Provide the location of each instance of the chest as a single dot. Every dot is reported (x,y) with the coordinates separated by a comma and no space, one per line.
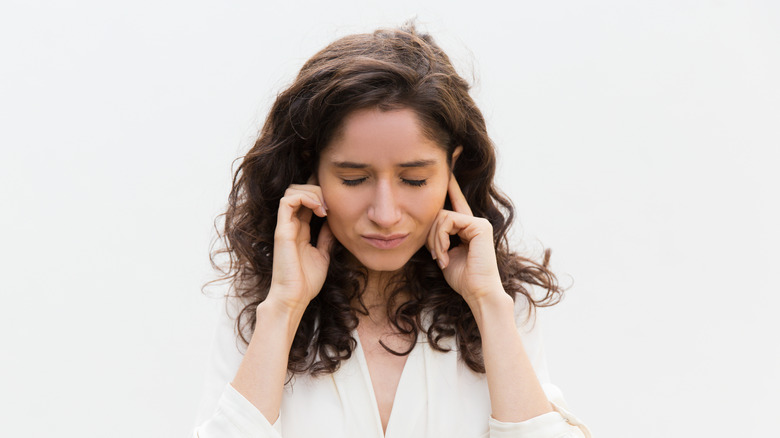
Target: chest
(431,395)
(385,370)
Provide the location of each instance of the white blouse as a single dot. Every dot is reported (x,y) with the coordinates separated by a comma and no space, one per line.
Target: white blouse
(437,396)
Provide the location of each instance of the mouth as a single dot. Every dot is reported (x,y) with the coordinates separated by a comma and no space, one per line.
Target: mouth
(384,242)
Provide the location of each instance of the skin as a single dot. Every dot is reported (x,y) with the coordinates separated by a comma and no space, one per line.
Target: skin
(382,176)
(385,202)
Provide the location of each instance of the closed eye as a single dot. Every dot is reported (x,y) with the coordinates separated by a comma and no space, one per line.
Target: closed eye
(415,182)
(353,182)
(411,182)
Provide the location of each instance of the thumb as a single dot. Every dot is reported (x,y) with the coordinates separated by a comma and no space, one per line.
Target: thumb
(325,240)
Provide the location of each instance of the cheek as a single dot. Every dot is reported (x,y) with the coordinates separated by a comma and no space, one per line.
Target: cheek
(430,205)
(344,208)
(334,194)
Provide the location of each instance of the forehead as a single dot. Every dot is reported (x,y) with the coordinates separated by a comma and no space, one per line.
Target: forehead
(376,137)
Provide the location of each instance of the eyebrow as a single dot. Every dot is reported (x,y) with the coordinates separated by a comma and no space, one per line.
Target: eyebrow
(353,165)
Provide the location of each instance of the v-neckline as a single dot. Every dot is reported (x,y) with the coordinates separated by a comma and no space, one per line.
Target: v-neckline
(404,405)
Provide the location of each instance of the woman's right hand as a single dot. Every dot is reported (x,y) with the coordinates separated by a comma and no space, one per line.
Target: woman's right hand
(299,269)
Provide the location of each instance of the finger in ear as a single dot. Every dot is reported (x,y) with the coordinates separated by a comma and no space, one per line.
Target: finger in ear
(325,239)
(455,155)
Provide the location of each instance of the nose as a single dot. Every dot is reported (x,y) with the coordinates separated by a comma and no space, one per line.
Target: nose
(384,210)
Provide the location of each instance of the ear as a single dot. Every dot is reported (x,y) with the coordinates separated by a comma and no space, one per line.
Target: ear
(455,155)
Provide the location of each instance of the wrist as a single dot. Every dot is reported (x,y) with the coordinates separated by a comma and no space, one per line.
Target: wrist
(492,306)
(285,302)
(281,312)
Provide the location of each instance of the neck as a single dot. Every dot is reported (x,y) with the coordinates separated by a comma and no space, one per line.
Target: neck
(379,286)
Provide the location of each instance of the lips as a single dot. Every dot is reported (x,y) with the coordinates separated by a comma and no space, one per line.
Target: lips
(385,242)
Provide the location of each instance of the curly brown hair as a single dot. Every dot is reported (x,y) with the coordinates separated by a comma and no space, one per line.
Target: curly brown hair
(387,69)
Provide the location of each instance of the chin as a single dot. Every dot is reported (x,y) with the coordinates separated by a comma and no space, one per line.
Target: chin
(383,262)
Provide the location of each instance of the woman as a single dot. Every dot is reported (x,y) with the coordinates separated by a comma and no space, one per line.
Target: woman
(370,263)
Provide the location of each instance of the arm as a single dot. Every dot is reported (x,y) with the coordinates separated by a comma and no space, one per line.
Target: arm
(261,375)
(515,392)
(519,405)
(299,272)
(252,400)
(249,405)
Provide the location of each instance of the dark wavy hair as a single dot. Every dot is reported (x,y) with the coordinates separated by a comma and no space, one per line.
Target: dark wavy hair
(387,69)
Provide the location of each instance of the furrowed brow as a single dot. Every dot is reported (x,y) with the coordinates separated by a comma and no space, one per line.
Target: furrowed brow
(418,163)
(349,165)
(353,165)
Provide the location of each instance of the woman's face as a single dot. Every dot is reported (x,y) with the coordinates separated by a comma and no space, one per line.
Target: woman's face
(384,181)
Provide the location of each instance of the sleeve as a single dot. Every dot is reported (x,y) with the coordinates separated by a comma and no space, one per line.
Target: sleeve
(557,424)
(223,411)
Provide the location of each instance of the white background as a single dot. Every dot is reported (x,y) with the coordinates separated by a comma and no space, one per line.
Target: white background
(638,139)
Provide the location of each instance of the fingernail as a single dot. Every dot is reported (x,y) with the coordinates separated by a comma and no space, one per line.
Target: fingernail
(433,254)
(441,263)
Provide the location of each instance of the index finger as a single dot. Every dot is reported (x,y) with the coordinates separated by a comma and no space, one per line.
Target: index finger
(457,199)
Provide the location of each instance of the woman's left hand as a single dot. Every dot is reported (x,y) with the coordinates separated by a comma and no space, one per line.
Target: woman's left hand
(470,268)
